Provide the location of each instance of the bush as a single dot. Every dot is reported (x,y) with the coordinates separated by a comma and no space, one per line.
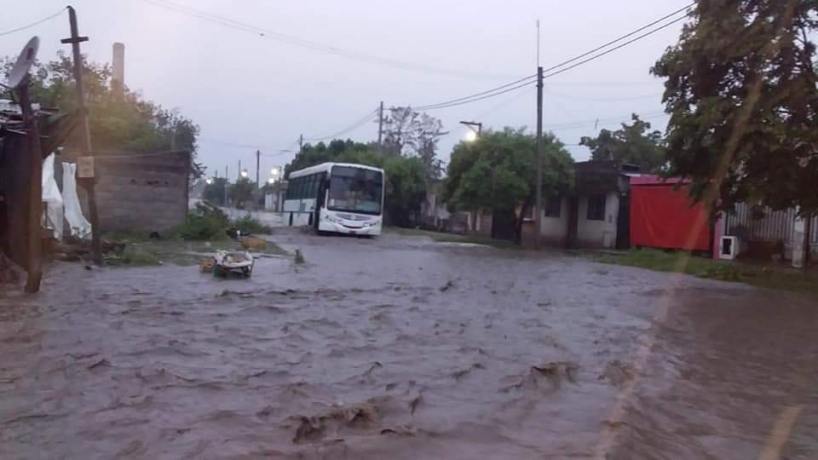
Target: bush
(248,225)
(206,222)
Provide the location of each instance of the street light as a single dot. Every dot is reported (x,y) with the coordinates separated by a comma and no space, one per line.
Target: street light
(244,173)
(473,135)
(274,172)
(209,180)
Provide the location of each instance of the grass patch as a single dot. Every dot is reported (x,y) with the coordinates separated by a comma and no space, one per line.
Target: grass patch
(177,251)
(766,276)
(453,237)
(248,225)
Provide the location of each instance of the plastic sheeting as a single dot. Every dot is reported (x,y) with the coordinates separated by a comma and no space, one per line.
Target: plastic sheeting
(52,199)
(662,217)
(78,225)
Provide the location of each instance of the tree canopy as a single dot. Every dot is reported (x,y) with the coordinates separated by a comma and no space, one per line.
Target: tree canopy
(498,172)
(741,91)
(633,143)
(126,123)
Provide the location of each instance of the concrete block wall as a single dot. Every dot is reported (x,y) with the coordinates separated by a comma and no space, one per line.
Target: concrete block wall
(142,192)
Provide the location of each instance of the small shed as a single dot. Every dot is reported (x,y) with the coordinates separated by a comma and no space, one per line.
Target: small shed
(662,215)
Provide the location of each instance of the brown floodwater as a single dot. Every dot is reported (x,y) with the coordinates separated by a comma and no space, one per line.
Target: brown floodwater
(403,348)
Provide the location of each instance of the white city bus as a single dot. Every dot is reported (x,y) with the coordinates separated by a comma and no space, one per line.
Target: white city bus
(336,197)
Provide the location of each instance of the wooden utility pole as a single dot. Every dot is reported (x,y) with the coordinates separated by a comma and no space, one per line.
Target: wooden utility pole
(538,202)
(85,132)
(35,197)
(380,128)
(300,143)
(258,165)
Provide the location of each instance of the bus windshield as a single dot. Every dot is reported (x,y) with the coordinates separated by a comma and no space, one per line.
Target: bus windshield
(355,190)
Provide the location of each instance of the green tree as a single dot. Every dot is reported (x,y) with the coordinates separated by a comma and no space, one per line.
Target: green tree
(214,191)
(124,122)
(241,192)
(741,91)
(498,172)
(407,132)
(634,143)
(405,189)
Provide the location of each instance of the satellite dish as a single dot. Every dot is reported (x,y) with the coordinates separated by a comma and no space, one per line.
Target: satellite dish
(24,62)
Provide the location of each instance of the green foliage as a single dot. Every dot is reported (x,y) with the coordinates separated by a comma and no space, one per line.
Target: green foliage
(126,123)
(248,225)
(498,172)
(405,188)
(214,192)
(634,143)
(206,222)
(241,192)
(741,90)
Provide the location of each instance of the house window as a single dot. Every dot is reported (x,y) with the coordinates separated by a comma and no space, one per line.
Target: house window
(596,207)
(553,206)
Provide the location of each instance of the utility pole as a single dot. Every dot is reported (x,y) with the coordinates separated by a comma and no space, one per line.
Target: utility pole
(300,144)
(258,165)
(85,131)
(35,210)
(380,128)
(238,173)
(538,202)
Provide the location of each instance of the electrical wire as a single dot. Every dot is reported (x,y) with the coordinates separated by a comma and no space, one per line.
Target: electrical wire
(619,39)
(529,79)
(312,45)
(609,51)
(35,23)
(561,67)
(357,124)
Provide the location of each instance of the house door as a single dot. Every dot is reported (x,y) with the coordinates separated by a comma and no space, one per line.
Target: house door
(623,222)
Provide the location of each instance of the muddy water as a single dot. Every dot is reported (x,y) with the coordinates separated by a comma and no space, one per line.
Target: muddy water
(403,348)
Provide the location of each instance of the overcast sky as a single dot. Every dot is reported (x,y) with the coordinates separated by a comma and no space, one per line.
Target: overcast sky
(244,89)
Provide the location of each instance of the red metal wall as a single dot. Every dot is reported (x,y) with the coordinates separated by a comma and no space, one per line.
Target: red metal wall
(662,217)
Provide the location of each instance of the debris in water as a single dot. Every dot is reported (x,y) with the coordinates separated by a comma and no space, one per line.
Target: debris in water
(374,366)
(299,257)
(101,362)
(449,284)
(239,263)
(553,372)
(252,243)
(459,374)
(415,402)
(206,265)
(617,373)
(310,429)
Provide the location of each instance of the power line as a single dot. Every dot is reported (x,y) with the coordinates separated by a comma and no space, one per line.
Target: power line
(618,39)
(529,78)
(312,45)
(35,23)
(366,118)
(609,51)
(469,101)
(561,66)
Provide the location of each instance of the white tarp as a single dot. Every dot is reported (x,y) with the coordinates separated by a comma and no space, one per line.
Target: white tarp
(78,226)
(52,199)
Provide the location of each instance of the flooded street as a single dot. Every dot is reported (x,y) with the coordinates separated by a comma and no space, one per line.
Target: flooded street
(400,347)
